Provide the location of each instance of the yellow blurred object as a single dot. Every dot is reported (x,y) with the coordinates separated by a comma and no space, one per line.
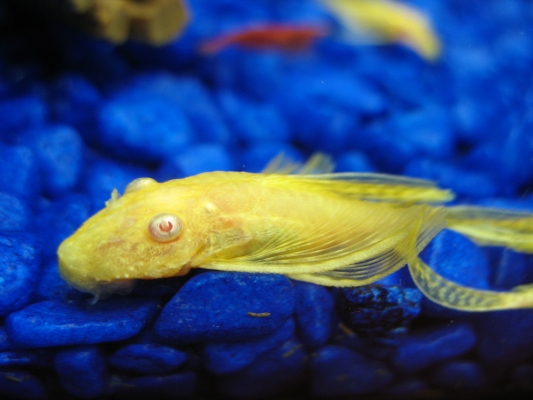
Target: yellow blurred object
(390,21)
(152,21)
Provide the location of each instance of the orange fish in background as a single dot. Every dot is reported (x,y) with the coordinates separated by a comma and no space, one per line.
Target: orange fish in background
(268,36)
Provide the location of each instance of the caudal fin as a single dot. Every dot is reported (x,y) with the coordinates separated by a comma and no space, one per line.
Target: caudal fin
(453,295)
(493,227)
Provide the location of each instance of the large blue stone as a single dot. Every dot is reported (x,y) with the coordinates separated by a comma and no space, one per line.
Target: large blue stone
(432,346)
(227,306)
(57,323)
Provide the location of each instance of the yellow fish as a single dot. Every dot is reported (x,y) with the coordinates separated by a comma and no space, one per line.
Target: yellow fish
(389,21)
(344,229)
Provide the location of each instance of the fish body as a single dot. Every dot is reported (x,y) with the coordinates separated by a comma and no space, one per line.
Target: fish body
(287,37)
(242,222)
(389,22)
(331,229)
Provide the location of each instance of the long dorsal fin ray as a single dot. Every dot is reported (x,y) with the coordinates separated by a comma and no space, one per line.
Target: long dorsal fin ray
(493,227)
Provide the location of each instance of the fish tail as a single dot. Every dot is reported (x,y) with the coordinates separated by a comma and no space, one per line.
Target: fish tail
(493,227)
(452,295)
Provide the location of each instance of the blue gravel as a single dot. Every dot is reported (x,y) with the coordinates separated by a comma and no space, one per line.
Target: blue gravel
(60,153)
(459,375)
(21,385)
(337,371)
(516,327)
(59,323)
(378,311)
(174,386)
(147,359)
(314,313)
(433,345)
(221,306)
(19,266)
(226,357)
(275,372)
(14,213)
(82,371)
(80,117)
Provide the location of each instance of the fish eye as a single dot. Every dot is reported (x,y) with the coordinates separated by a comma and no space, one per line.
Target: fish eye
(165,227)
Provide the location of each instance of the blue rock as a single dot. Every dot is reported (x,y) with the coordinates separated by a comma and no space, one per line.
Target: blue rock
(227,357)
(59,220)
(472,119)
(18,114)
(275,372)
(141,126)
(253,122)
(14,213)
(19,270)
(188,94)
(36,359)
(353,161)
(102,176)
(168,387)
(226,306)
(339,124)
(57,323)
(458,259)
(505,337)
(147,359)
(20,173)
(5,343)
(459,375)
(82,371)
(373,310)
(52,287)
(74,100)
(431,346)
(335,88)
(338,371)
(512,269)
(60,152)
(261,75)
(257,156)
(195,160)
(409,387)
(428,130)
(21,385)
(314,313)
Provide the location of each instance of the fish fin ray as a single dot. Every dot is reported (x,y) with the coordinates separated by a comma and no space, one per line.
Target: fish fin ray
(383,242)
(368,186)
(493,227)
(452,295)
(318,163)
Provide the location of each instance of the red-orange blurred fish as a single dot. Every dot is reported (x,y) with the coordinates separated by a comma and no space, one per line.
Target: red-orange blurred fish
(268,36)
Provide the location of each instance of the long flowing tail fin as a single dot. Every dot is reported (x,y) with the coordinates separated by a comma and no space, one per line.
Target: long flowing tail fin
(453,295)
(493,227)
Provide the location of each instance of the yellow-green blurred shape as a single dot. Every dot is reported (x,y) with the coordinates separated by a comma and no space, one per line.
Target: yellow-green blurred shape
(390,22)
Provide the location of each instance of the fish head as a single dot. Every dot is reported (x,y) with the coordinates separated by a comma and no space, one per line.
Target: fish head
(147,233)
